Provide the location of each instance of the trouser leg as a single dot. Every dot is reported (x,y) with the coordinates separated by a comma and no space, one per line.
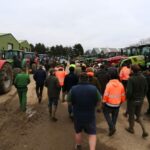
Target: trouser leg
(24,99)
(131,109)
(40,93)
(50,107)
(148,99)
(20,98)
(69,109)
(37,90)
(138,119)
(107,114)
(115,115)
(54,111)
(41,90)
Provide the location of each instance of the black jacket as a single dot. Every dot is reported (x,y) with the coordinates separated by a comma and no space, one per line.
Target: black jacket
(103,78)
(70,80)
(137,88)
(40,76)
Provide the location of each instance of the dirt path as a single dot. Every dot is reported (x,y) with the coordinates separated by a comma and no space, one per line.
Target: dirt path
(35,131)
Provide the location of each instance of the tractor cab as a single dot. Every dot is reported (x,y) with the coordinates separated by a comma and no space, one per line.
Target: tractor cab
(9,55)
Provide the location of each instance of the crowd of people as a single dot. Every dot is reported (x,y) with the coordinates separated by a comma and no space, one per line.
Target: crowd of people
(88,90)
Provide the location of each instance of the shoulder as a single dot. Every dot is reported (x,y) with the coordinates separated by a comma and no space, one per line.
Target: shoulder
(91,86)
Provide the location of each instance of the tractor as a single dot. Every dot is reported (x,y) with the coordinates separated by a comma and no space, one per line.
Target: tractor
(6,75)
(7,70)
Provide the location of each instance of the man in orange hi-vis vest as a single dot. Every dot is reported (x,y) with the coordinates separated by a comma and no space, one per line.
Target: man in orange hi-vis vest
(114,96)
(124,75)
(60,74)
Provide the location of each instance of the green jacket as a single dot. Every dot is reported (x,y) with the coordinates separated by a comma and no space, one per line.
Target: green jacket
(53,87)
(22,80)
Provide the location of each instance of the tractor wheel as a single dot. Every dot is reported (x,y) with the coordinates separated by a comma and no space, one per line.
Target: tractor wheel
(6,78)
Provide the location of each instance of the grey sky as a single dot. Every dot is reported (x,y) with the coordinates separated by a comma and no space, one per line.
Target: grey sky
(93,23)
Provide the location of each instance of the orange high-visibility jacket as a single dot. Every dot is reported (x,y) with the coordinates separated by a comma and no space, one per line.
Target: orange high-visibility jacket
(124,73)
(61,76)
(114,93)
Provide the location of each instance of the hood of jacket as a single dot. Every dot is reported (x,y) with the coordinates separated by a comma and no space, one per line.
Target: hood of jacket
(114,82)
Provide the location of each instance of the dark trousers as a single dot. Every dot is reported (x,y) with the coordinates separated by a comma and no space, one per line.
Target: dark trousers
(148,98)
(111,115)
(134,109)
(39,90)
(70,109)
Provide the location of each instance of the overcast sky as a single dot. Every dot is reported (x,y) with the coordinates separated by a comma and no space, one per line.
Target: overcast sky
(93,23)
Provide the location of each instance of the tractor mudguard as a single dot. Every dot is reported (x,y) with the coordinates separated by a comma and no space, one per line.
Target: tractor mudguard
(2,62)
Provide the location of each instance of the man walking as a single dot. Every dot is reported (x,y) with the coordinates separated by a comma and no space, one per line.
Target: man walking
(84,98)
(103,77)
(114,96)
(70,80)
(136,91)
(21,81)
(147,76)
(39,77)
(53,88)
(60,74)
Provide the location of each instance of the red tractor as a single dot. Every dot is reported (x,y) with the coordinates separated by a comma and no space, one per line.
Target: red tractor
(7,72)
(6,76)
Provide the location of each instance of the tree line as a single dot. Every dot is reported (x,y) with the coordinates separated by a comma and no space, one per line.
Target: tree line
(58,50)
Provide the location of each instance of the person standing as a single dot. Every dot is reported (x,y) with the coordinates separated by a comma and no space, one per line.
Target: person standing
(60,74)
(70,80)
(137,88)
(21,81)
(39,77)
(53,91)
(147,75)
(114,96)
(124,74)
(84,98)
(92,79)
(103,77)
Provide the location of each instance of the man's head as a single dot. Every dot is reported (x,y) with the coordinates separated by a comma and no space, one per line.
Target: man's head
(52,71)
(40,67)
(71,69)
(135,68)
(114,75)
(83,77)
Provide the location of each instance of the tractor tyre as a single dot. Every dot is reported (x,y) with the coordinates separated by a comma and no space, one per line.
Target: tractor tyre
(6,78)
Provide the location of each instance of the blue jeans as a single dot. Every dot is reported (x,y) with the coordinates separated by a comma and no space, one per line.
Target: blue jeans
(111,115)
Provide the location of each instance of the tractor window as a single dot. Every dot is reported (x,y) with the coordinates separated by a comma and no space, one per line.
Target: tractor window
(129,52)
(145,51)
(10,54)
(20,55)
(127,62)
(134,51)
